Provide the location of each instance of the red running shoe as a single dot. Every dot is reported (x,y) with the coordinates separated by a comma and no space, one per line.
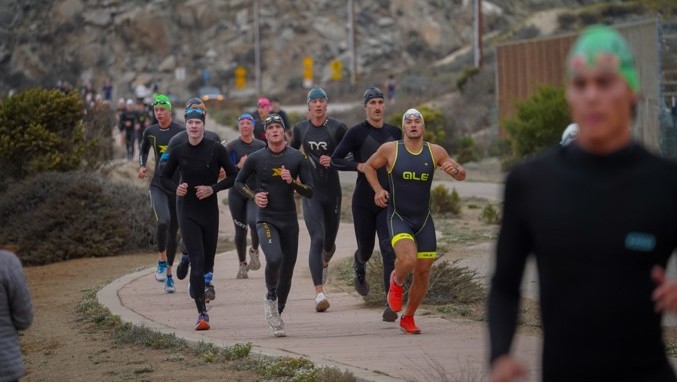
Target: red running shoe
(408,326)
(395,294)
(202,322)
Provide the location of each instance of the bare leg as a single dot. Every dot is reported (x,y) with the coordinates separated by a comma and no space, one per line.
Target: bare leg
(419,287)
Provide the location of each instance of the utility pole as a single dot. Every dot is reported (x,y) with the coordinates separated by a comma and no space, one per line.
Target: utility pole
(477,32)
(351,42)
(257,49)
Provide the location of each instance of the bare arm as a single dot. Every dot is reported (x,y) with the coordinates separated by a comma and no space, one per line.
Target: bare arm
(381,158)
(447,164)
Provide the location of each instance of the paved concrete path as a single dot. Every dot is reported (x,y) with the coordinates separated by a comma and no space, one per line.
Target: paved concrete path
(349,335)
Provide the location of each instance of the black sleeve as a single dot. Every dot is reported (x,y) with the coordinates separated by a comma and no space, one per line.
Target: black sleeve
(242,177)
(338,158)
(171,163)
(514,245)
(305,185)
(144,149)
(223,159)
(295,137)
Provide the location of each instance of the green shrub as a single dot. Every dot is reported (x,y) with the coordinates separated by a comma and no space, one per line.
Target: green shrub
(57,216)
(443,202)
(465,76)
(490,215)
(40,130)
(99,150)
(468,150)
(539,121)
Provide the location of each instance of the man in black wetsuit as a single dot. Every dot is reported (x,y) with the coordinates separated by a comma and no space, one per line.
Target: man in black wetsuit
(600,217)
(411,163)
(362,140)
(279,171)
(319,136)
(242,209)
(199,162)
(163,201)
(178,140)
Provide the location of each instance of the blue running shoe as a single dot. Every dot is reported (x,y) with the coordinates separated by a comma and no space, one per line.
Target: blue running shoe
(161,271)
(169,285)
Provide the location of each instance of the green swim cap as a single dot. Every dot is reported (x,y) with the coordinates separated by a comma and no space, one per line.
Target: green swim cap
(162,100)
(600,46)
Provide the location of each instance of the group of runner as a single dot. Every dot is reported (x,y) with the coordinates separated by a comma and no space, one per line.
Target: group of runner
(192,166)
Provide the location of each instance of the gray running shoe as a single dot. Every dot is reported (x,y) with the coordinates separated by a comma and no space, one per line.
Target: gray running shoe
(210,292)
(254,262)
(321,303)
(273,318)
(361,284)
(242,271)
(389,315)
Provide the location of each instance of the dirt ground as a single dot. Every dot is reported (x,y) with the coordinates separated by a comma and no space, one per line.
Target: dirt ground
(58,348)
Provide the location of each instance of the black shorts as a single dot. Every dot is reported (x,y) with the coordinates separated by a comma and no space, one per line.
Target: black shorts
(420,230)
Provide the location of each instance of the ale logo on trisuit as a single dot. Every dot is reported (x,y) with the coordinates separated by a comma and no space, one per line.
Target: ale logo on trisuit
(640,241)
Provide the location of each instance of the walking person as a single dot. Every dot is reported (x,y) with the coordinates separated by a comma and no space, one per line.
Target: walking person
(363,140)
(279,171)
(242,209)
(319,136)
(16,314)
(163,201)
(129,120)
(411,164)
(599,216)
(199,162)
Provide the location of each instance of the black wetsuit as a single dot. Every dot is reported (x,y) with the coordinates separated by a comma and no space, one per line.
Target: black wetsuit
(596,225)
(409,204)
(259,127)
(322,213)
(277,224)
(363,140)
(128,121)
(163,201)
(242,209)
(199,219)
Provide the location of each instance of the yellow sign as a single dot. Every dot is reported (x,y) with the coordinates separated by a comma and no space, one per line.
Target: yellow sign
(240,77)
(307,68)
(336,69)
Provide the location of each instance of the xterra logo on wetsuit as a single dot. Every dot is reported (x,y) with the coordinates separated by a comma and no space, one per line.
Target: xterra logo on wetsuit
(277,172)
(162,148)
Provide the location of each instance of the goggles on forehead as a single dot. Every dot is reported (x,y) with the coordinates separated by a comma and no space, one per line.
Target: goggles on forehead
(274,118)
(412,114)
(245,117)
(161,102)
(195,110)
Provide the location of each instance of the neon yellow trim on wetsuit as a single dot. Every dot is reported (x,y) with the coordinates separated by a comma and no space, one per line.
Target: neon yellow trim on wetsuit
(397,149)
(412,153)
(399,237)
(426,255)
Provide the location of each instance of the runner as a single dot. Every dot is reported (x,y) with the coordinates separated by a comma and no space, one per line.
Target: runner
(569,134)
(178,140)
(262,112)
(600,217)
(129,120)
(163,201)
(319,136)
(279,170)
(199,161)
(242,209)
(411,164)
(362,140)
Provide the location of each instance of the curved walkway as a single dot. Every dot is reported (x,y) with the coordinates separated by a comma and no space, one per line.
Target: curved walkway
(349,335)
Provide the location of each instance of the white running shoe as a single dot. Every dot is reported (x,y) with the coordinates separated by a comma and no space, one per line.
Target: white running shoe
(254,262)
(321,303)
(273,318)
(242,271)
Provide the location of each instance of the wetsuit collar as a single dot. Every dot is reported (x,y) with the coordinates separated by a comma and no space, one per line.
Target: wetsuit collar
(324,123)
(620,158)
(284,149)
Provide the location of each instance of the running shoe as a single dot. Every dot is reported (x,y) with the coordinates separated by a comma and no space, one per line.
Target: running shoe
(202,322)
(210,292)
(273,318)
(242,271)
(169,285)
(182,268)
(321,303)
(408,326)
(161,271)
(395,294)
(361,284)
(254,262)
(389,315)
